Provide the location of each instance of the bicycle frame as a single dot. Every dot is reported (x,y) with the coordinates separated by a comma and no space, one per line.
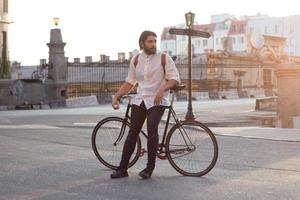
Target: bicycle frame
(127,118)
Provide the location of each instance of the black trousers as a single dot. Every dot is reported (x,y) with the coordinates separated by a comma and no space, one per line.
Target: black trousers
(138,116)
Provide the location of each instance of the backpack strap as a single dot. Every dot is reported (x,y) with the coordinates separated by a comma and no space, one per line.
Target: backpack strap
(136,60)
(163,62)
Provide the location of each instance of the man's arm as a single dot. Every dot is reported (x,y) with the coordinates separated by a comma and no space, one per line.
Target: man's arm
(169,84)
(124,89)
(172,77)
(127,86)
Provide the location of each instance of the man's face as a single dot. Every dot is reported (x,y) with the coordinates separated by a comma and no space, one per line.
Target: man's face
(150,45)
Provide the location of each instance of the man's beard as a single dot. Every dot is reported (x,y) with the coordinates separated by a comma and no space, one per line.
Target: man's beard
(150,50)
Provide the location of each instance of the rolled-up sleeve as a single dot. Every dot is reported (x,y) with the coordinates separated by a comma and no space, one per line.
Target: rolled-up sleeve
(171,70)
(131,77)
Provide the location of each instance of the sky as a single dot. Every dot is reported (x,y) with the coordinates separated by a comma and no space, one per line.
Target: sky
(94,27)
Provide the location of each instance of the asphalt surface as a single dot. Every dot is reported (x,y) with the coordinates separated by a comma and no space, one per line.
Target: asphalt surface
(46,155)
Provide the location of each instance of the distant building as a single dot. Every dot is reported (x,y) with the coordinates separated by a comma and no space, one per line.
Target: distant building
(288,27)
(234,34)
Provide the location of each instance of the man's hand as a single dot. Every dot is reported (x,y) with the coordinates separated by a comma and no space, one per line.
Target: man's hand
(125,88)
(115,103)
(159,96)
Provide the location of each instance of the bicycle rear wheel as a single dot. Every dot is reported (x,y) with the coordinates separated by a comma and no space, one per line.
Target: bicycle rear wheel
(108,140)
(191,148)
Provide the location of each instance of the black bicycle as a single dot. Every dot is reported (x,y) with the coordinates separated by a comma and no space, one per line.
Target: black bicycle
(190,146)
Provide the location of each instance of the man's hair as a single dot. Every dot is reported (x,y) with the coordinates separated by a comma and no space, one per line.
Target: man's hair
(144,36)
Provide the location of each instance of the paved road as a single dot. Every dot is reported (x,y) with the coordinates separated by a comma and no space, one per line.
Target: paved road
(58,163)
(42,158)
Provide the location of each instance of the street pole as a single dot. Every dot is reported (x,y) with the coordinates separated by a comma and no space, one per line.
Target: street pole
(189,115)
(189,31)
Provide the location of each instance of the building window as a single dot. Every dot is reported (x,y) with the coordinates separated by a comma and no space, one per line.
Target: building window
(217,41)
(291,28)
(198,43)
(291,41)
(267,77)
(266,29)
(276,29)
(204,43)
(234,28)
(222,40)
(251,29)
(166,46)
(242,29)
(233,40)
(5,6)
(241,40)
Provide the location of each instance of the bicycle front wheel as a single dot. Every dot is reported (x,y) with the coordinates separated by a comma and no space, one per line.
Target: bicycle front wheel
(108,140)
(191,148)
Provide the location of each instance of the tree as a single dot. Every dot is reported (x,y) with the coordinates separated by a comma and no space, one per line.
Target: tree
(5,69)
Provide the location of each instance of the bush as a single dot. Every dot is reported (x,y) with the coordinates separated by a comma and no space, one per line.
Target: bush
(5,69)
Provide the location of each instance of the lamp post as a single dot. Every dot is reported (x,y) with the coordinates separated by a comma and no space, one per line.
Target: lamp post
(189,18)
(189,31)
(56,21)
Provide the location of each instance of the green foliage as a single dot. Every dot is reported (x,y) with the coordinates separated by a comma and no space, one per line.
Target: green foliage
(5,69)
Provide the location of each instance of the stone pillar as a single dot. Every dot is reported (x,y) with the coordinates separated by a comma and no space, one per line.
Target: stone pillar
(57,74)
(288,83)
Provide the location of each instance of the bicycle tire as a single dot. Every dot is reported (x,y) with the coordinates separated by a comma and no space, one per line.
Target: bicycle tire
(197,127)
(99,130)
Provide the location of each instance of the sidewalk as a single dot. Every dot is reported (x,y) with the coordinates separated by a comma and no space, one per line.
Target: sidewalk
(276,134)
(243,124)
(236,119)
(219,118)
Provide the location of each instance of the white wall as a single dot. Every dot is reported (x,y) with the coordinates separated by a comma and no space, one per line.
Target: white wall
(288,27)
(200,44)
(169,46)
(239,44)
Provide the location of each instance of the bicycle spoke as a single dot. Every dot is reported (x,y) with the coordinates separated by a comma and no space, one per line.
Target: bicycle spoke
(108,140)
(192,149)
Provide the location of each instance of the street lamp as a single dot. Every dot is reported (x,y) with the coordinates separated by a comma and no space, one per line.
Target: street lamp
(56,21)
(189,31)
(189,18)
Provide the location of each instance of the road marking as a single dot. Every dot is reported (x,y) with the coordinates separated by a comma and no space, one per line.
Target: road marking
(28,126)
(84,124)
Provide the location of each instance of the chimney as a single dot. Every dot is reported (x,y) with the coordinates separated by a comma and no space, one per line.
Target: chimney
(106,58)
(130,55)
(43,61)
(88,59)
(121,57)
(76,60)
(102,58)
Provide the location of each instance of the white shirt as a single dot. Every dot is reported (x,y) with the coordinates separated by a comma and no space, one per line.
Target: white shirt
(149,75)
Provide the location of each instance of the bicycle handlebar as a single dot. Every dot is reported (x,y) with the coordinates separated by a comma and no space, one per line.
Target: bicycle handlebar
(174,89)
